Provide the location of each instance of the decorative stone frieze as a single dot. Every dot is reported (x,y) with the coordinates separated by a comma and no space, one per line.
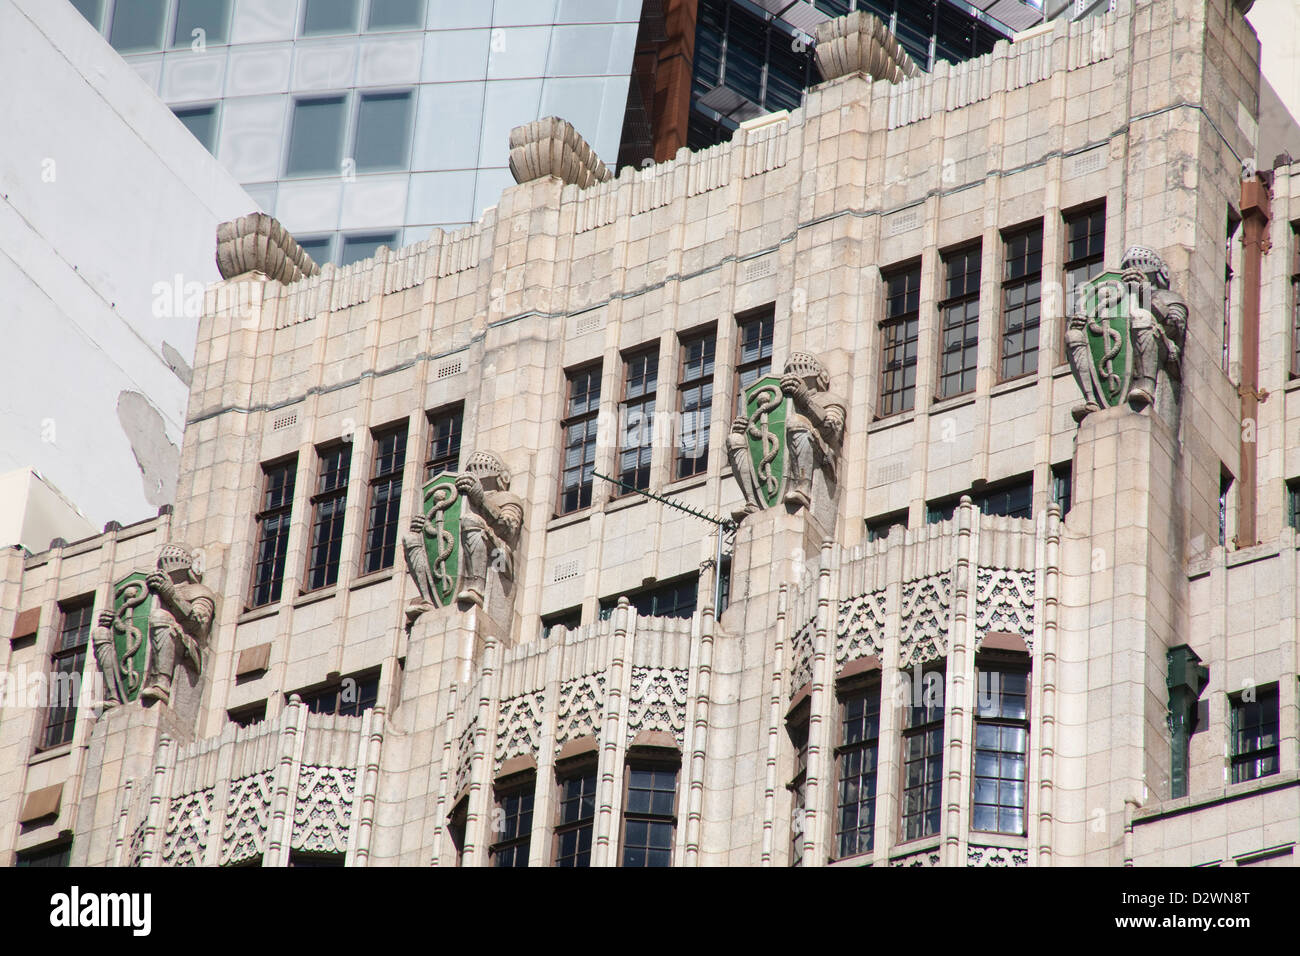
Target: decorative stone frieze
(801,656)
(188,822)
(859,627)
(658,702)
(519,726)
(996,856)
(925,613)
(1004,601)
(924,858)
(248,811)
(582,702)
(323,812)
(552,147)
(258,243)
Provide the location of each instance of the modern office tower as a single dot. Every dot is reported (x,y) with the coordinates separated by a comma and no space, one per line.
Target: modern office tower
(362,123)
(968,534)
(106,219)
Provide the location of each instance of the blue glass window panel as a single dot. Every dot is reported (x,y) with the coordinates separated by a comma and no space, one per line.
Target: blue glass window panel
(384,132)
(138,25)
(316,142)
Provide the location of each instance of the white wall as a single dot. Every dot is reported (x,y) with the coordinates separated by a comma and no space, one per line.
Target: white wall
(103,194)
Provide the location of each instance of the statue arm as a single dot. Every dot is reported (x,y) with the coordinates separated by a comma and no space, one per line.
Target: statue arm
(506,521)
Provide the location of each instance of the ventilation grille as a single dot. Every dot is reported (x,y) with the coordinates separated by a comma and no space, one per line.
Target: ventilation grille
(566,570)
(903,222)
(1089,162)
(285,421)
(450,369)
(758,269)
(589,322)
(889,472)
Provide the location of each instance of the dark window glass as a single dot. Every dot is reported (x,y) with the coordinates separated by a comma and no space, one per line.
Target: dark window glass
(1255,735)
(395,14)
(1001,746)
(563,620)
(923,756)
(914,26)
(857,757)
(210,16)
(1021,302)
(385,498)
(138,25)
(676,598)
(898,348)
(248,715)
(316,860)
(92,10)
(1085,248)
(1234,221)
(695,403)
(1011,501)
(356,248)
(960,310)
(754,353)
(797,728)
(579,430)
(445,429)
(319,249)
(58,854)
(513,824)
(349,697)
(328,505)
(1295,300)
(1293,503)
(577,815)
(1063,486)
(883,527)
(1225,490)
(201,121)
(66,665)
(636,417)
(383,132)
(316,139)
(330,16)
(273,532)
(649,817)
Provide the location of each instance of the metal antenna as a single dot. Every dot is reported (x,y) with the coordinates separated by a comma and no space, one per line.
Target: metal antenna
(724,525)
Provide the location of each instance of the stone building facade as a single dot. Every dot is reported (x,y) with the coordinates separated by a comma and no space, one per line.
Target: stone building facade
(998,634)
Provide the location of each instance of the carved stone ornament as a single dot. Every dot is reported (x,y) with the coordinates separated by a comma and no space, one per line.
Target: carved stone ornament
(582,703)
(186,835)
(322,815)
(519,726)
(786,446)
(1004,601)
(461,544)
(657,701)
(258,243)
(159,621)
(996,856)
(248,812)
(860,627)
(1125,335)
(552,147)
(861,43)
(924,625)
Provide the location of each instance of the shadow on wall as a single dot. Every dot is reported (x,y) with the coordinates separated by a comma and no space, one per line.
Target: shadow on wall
(159,460)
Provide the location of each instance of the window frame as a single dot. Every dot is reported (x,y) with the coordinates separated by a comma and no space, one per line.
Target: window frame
(704,382)
(579,768)
(907,732)
(1002,663)
(1025,281)
(656,760)
(394,481)
(648,356)
(516,785)
(364,702)
(1295,300)
(587,418)
(948,259)
(798,724)
(1238,759)
(653,593)
(449,462)
(865,687)
(174,23)
(337,497)
(909,320)
(1093,262)
(57,715)
(760,366)
(344,101)
(284,512)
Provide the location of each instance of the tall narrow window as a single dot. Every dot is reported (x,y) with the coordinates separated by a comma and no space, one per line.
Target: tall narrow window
(579,428)
(857,758)
(695,403)
(1063,486)
(650,814)
(1254,734)
(1225,493)
(797,728)
(923,756)
(577,816)
(1295,300)
(898,341)
(960,310)
(636,417)
(1021,293)
(512,823)
(1293,503)
(328,505)
(273,531)
(66,665)
(445,429)
(753,351)
(1001,745)
(1085,250)
(1234,221)
(385,497)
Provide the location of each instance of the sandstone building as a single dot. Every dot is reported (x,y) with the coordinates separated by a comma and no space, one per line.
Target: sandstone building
(965,618)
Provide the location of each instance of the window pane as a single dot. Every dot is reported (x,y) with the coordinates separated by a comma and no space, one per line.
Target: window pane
(330,16)
(316,143)
(210,16)
(356,248)
(201,121)
(383,132)
(138,25)
(92,10)
(395,14)
(318,249)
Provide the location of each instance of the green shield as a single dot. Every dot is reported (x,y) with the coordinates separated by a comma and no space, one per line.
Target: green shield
(132,603)
(1106,301)
(440,503)
(766,408)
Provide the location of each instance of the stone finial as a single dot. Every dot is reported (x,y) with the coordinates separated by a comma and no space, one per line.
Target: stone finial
(258,243)
(552,147)
(861,43)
